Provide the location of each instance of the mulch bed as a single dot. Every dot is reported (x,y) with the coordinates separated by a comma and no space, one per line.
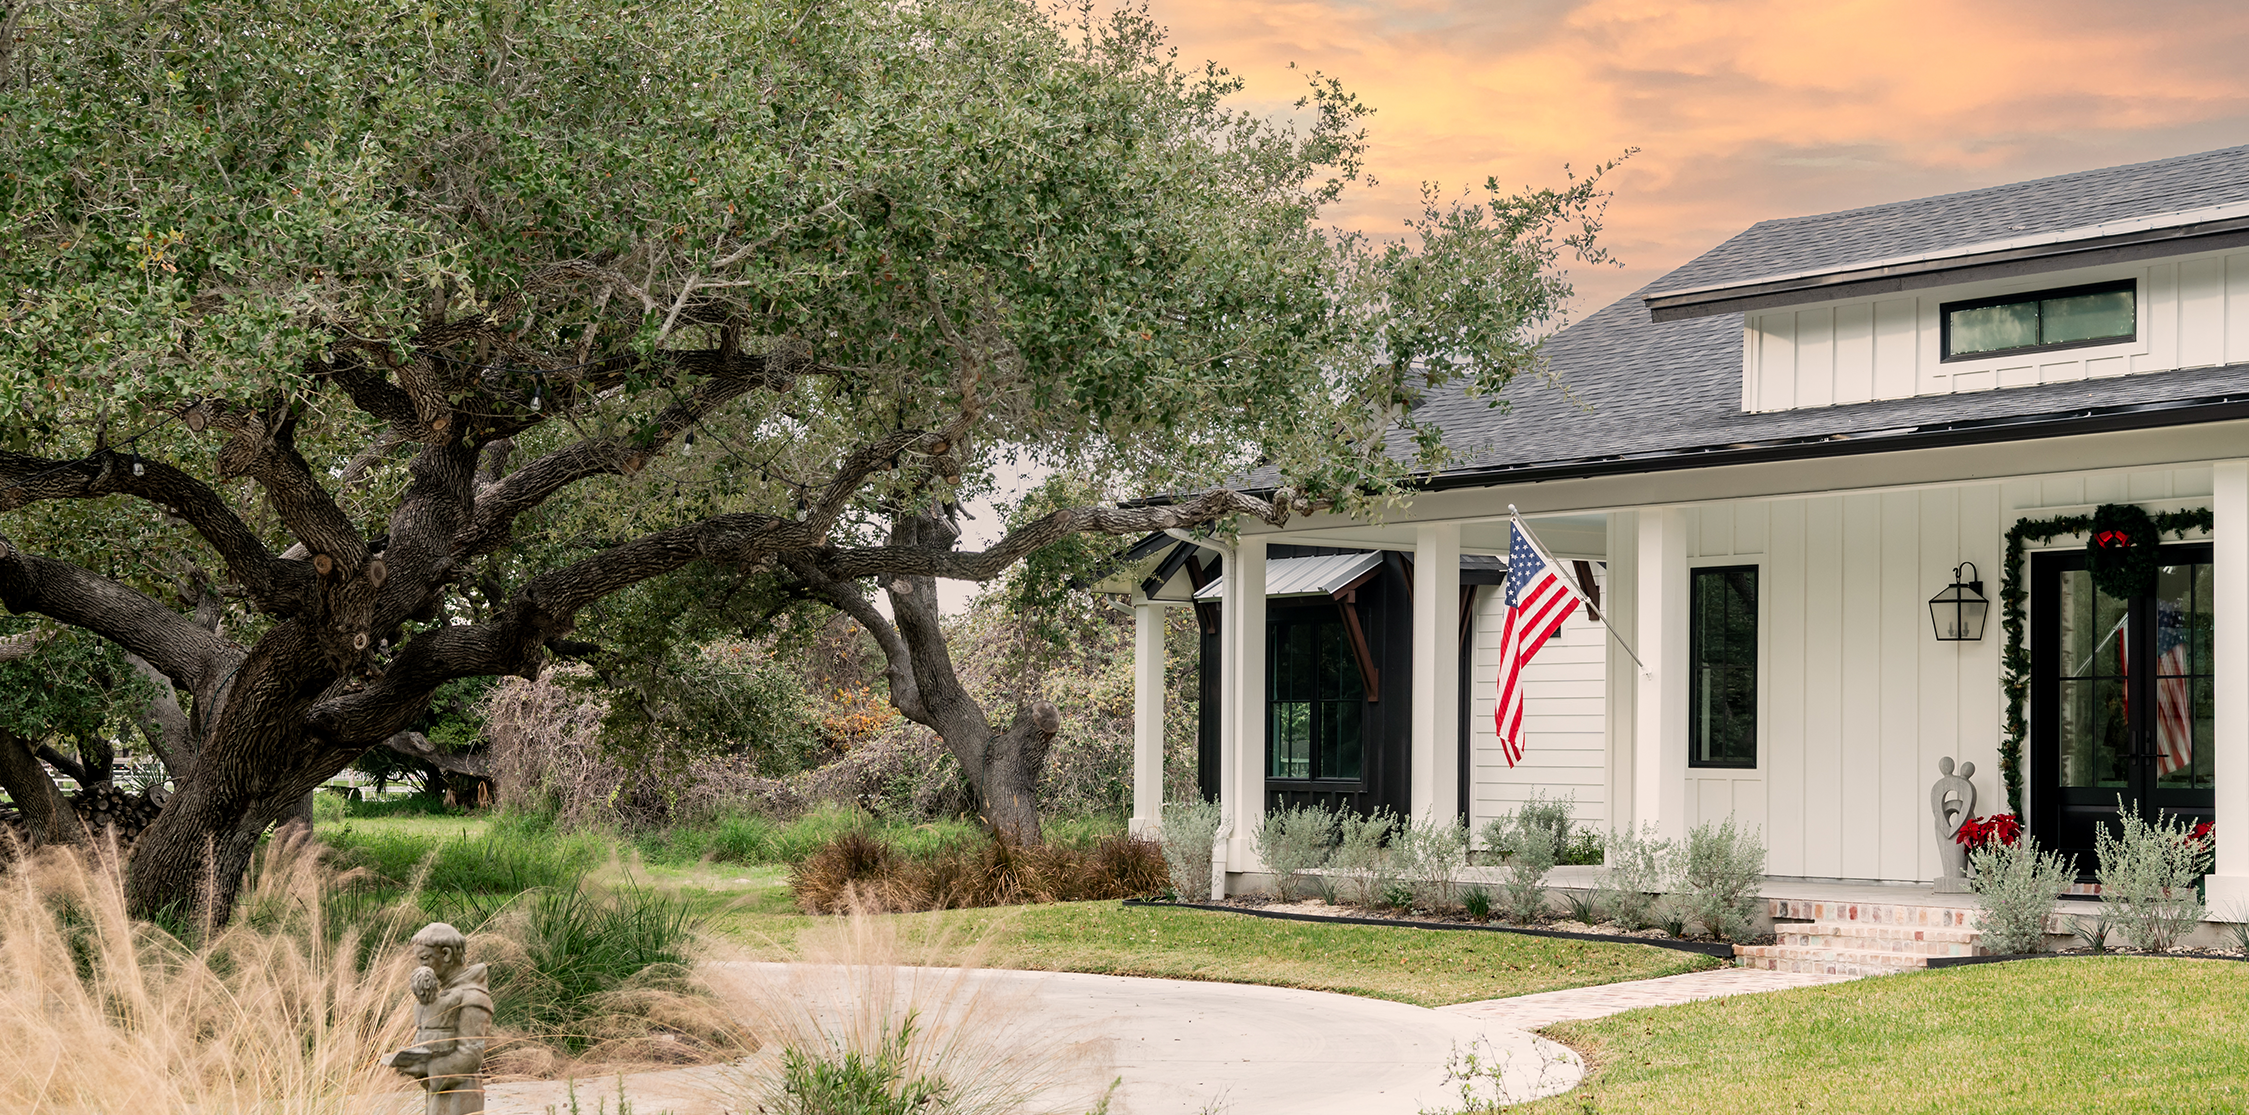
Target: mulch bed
(1720,949)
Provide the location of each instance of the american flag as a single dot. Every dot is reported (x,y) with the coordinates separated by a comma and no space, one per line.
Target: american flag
(1538,600)
(2174,701)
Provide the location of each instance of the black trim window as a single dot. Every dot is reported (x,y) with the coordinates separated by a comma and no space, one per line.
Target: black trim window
(1314,698)
(1722,667)
(2042,320)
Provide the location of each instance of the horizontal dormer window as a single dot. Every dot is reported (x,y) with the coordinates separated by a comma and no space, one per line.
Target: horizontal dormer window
(2041,320)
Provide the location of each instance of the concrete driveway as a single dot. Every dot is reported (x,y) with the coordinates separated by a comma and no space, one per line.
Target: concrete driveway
(1179,1046)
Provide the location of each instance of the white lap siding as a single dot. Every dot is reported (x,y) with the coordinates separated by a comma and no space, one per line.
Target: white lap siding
(1564,721)
(1857,699)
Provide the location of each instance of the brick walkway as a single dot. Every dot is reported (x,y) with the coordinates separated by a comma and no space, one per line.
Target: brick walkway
(1529,1012)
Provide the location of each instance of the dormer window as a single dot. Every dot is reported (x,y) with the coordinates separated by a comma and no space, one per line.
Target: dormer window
(2041,320)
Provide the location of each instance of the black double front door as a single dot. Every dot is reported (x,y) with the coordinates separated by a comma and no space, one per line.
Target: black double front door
(2121,699)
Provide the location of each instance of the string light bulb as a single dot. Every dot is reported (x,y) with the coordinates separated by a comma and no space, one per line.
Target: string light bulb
(688,445)
(139,469)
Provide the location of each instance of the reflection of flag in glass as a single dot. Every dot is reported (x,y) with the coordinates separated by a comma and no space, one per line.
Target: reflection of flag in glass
(2174,701)
(1538,600)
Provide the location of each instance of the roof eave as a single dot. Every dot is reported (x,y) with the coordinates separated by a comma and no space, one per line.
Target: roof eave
(1969,266)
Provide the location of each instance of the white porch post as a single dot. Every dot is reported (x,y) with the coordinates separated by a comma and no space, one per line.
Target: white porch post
(2227,888)
(1147,715)
(1241,770)
(1659,760)
(1436,671)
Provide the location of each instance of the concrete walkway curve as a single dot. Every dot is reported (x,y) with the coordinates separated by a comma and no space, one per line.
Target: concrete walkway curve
(1184,1047)
(1188,1047)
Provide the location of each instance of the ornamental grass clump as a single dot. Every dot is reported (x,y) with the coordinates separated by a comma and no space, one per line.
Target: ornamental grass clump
(1190,829)
(1295,841)
(2019,885)
(1532,840)
(1363,864)
(2148,872)
(1721,872)
(861,871)
(1641,868)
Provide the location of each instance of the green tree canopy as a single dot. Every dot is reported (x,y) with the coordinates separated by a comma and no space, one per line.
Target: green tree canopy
(424,327)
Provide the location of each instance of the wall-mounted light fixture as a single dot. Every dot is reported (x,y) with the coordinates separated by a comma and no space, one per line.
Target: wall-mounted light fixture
(1958,613)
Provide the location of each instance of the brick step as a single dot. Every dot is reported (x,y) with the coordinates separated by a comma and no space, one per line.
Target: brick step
(1872,913)
(1817,938)
(1827,961)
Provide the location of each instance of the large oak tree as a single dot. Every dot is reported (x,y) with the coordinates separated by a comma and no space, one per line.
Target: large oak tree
(412,331)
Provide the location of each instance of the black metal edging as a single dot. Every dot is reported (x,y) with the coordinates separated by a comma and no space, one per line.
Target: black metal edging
(1718,949)
(1962,961)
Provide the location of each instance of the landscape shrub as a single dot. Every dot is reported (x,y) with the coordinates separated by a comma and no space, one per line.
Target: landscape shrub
(1189,830)
(859,871)
(1641,868)
(1722,869)
(2019,885)
(1431,853)
(1293,841)
(1531,838)
(2148,872)
(1587,848)
(1362,863)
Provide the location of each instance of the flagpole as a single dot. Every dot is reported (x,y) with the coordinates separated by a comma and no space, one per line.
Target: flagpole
(1515,518)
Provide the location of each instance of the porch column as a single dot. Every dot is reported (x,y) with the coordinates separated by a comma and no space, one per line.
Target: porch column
(1241,749)
(2228,885)
(1659,737)
(1435,772)
(1147,715)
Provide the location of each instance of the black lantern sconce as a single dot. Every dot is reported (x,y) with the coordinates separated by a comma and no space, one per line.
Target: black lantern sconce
(1958,613)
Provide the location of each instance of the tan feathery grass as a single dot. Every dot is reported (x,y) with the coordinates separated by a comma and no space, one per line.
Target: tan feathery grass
(274,1014)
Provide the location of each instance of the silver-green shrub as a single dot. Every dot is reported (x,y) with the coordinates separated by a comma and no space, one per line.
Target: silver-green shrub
(2148,872)
(2019,885)
(1642,867)
(1188,830)
(1531,841)
(1362,863)
(1722,870)
(1293,841)
(1431,854)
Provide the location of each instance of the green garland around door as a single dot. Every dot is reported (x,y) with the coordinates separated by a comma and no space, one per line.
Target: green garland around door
(2120,554)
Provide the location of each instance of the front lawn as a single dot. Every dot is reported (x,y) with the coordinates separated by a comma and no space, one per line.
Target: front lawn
(2116,1034)
(1420,966)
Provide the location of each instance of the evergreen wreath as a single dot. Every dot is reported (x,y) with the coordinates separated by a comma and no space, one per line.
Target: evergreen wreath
(2014,673)
(2120,550)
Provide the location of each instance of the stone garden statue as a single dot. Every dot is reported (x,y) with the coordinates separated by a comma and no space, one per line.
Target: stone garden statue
(452,1018)
(1953,800)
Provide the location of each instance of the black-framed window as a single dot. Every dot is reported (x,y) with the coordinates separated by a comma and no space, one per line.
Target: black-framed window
(1315,700)
(2041,320)
(1722,667)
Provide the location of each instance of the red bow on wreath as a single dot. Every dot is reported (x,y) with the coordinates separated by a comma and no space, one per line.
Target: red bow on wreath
(2113,539)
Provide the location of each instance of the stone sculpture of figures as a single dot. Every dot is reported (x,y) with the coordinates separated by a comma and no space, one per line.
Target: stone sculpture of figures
(1953,800)
(452,1018)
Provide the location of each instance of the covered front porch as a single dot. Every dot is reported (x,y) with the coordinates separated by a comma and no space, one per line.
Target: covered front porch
(1855,699)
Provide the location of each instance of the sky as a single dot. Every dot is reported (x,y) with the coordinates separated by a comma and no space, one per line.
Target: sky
(1740,111)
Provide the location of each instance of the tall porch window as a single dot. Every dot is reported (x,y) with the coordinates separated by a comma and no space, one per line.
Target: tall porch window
(1722,678)
(1314,698)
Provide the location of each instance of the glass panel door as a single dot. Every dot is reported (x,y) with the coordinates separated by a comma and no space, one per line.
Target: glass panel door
(2121,699)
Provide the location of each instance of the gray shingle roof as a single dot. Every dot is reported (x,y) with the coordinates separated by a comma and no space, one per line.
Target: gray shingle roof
(1636,388)
(2068,201)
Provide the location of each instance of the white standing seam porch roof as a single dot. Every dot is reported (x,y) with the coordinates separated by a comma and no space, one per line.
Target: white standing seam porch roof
(1306,576)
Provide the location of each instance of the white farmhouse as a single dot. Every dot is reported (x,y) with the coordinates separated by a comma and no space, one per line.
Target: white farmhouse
(1769,463)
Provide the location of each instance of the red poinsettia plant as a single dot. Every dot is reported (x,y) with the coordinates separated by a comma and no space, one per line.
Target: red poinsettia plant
(2202,832)
(1999,828)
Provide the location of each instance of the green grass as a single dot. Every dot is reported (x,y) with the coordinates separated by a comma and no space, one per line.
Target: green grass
(2119,1034)
(1421,966)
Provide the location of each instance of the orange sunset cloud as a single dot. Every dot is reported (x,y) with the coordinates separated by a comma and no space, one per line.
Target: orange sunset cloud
(1744,110)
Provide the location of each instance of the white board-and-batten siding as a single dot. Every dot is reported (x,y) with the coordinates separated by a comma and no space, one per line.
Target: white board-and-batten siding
(1564,717)
(1857,699)
(2193,312)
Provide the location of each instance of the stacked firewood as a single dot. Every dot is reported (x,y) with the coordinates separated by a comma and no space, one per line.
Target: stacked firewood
(101,807)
